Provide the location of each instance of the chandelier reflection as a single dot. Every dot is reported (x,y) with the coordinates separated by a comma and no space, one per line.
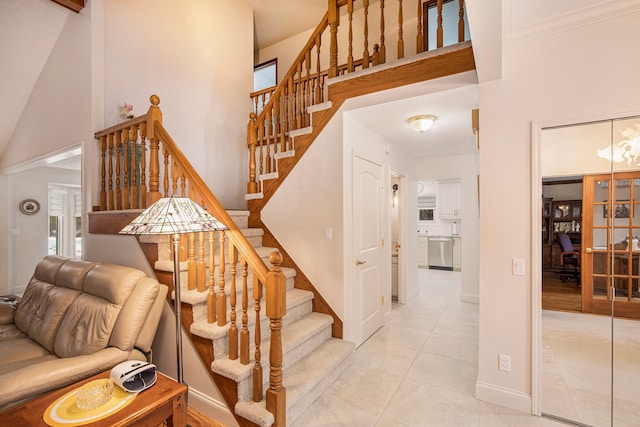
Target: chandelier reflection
(626,150)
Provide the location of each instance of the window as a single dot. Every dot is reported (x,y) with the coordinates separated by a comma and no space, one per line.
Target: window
(65,221)
(265,75)
(450,18)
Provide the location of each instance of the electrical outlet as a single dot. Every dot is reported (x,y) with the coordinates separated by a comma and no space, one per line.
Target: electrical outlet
(504,363)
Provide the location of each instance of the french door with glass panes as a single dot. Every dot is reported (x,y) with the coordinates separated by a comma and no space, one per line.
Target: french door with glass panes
(611,230)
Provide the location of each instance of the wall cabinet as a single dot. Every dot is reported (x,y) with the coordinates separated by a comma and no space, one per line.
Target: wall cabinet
(566,217)
(449,199)
(423,251)
(457,254)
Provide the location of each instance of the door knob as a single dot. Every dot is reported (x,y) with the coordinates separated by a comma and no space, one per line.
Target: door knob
(588,250)
(358,262)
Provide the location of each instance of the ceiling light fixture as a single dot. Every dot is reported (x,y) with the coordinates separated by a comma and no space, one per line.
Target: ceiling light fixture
(422,123)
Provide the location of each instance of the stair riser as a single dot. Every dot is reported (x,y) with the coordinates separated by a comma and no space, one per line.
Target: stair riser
(221,345)
(245,387)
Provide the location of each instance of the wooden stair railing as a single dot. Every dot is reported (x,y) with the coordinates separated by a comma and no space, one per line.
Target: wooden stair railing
(285,108)
(125,171)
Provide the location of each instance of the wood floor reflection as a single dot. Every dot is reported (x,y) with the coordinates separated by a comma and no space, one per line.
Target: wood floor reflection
(559,295)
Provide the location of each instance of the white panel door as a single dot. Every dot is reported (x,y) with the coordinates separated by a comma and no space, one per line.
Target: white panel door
(367,247)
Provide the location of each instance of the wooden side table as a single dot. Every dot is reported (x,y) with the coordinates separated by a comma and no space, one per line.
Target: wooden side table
(165,401)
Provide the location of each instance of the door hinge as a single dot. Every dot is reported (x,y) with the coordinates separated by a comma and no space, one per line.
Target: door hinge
(382,243)
(381,184)
(382,300)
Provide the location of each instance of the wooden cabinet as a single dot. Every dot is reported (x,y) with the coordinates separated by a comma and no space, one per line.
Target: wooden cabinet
(566,217)
(457,253)
(423,251)
(449,199)
(546,220)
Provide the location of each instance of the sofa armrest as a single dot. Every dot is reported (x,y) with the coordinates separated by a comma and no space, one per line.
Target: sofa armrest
(6,313)
(42,377)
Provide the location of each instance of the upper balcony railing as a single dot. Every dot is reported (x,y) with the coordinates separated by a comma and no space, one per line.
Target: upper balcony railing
(352,36)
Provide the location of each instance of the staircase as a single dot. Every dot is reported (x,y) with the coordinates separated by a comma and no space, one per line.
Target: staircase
(312,359)
(247,306)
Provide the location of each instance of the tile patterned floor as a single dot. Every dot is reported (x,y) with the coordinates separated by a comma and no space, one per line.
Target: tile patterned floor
(418,370)
(576,366)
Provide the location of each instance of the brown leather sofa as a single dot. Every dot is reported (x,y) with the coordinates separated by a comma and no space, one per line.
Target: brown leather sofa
(75,319)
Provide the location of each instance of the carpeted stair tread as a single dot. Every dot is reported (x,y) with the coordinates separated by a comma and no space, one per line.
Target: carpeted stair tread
(305,381)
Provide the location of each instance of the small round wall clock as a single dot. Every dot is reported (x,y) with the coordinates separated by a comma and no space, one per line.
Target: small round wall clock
(29,206)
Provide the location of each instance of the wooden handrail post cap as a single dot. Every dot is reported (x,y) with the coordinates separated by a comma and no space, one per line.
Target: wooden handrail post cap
(276,288)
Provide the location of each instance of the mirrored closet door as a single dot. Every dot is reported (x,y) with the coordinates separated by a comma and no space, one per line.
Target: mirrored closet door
(590,299)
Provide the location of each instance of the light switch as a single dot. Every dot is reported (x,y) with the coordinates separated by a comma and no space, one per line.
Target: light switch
(328,233)
(517,267)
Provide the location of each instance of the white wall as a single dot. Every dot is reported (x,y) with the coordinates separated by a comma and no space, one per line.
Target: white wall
(570,75)
(315,186)
(29,245)
(466,169)
(183,53)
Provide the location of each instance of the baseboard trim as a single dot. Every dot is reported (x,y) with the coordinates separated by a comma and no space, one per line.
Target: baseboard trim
(475,299)
(503,396)
(210,407)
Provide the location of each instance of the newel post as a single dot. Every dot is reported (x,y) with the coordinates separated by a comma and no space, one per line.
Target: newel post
(153,115)
(276,309)
(334,21)
(252,185)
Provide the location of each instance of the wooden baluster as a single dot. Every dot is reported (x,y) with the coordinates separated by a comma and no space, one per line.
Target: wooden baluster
(419,36)
(350,67)
(166,172)
(201,265)
(439,33)
(118,146)
(307,90)
(154,115)
(276,308)
(290,103)
(334,21)
(135,193)
(365,54)
(383,49)
(375,57)
(400,32)
(174,178)
(252,185)
(244,333)
(110,176)
(319,94)
(282,118)
(103,173)
(257,368)
(460,21)
(299,97)
(277,139)
(143,164)
(191,264)
(126,168)
(260,152)
(233,329)
(211,297)
(268,159)
(222,297)
(183,184)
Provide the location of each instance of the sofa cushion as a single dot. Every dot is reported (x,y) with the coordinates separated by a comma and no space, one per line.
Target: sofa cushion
(41,311)
(86,327)
(72,273)
(21,349)
(48,267)
(10,332)
(133,314)
(112,282)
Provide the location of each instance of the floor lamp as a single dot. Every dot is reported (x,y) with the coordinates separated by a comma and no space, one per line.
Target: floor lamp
(174,215)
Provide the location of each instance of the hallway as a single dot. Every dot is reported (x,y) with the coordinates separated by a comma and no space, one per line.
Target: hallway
(418,370)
